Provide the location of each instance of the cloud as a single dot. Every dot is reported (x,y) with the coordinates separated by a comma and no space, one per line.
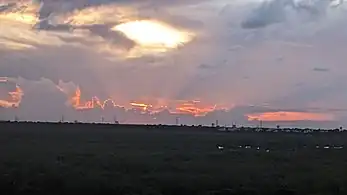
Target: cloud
(321,69)
(278,11)
(75,47)
(290,116)
(269,12)
(94,23)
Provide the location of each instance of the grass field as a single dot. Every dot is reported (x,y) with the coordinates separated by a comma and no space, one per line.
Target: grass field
(114,159)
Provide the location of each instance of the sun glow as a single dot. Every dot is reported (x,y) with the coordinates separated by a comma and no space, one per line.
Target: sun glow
(23,13)
(153,36)
(21,29)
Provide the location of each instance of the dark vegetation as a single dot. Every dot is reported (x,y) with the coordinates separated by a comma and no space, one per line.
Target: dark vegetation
(38,158)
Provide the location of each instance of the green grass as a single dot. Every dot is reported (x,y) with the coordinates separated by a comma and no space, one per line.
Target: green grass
(106,159)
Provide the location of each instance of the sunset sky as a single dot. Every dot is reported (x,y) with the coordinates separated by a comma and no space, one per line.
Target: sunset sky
(150,61)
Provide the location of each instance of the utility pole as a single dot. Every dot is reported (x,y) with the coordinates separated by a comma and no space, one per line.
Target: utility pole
(115,120)
(261,124)
(62,119)
(177,121)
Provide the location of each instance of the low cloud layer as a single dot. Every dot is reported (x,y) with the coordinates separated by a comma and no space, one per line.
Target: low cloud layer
(243,61)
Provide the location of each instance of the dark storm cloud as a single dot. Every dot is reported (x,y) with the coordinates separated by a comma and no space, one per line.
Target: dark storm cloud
(269,12)
(276,11)
(103,30)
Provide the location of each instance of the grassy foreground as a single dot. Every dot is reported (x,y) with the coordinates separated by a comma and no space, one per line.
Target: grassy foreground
(107,159)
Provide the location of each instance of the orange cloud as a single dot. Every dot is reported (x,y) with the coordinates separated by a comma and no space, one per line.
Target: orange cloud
(290,116)
(191,107)
(15,98)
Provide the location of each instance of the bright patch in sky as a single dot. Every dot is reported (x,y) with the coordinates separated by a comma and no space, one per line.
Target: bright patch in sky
(26,13)
(153,35)
(290,116)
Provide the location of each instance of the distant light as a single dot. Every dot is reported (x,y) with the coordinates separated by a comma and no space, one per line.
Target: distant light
(220,147)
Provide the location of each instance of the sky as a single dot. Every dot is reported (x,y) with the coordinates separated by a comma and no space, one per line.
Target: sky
(162,61)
